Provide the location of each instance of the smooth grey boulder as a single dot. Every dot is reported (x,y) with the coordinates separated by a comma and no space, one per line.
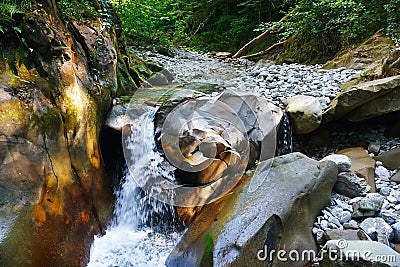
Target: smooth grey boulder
(358,253)
(276,209)
(305,113)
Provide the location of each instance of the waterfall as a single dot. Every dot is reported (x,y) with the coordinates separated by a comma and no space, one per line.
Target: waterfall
(137,236)
(285,140)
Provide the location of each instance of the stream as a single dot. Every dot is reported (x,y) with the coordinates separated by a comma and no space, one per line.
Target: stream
(128,241)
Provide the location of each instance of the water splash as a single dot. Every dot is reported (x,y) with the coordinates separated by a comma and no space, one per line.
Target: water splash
(137,235)
(285,139)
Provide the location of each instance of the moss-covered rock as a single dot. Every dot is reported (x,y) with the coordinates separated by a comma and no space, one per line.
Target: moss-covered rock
(56,87)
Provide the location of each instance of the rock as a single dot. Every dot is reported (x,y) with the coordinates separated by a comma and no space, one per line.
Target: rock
(354,253)
(382,173)
(324,224)
(396,177)
(385,191)
(54,192)
(372,226)
(352,101)
(165,51)
(349,184)
(364,54)
(235,228)
(382,238)
(319,235)
(218,134)
(343,161)
(305,113)
(352,224)
(374,147)
(342,215)
(381,105)
(362,164)
(368,206)
(389,217)
(390,159)
(396,229)
(223,54)
(344,234)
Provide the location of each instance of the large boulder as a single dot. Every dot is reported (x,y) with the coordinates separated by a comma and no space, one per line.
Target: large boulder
(277,213)
(374,49)
(358,253)
(365,100)
(54,193)
(305,113)
(217,134)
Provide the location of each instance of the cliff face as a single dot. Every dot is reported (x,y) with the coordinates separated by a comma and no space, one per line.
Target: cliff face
(57,81)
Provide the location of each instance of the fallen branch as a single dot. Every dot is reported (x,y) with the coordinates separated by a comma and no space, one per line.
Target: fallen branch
(258,40)
(266,51)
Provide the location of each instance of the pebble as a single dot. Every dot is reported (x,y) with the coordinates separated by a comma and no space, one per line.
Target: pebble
(385,191)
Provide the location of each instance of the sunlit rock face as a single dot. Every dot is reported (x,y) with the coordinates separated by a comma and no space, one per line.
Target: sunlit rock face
(277,214)
(55,91)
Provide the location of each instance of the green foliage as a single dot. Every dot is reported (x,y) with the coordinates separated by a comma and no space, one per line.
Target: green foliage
(75,10)
(199,24)
(348,20)
(8,9)
(392,8)
(146,21)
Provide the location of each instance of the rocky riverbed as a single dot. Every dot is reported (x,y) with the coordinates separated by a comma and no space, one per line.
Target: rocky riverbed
(274,82)
(372,210)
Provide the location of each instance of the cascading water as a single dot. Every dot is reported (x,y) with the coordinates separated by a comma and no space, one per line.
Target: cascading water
(136,236)
(285,139)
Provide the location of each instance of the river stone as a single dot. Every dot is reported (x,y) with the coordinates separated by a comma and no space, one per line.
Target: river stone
(362,164)
(291,193)
(358,253)
(343,161)
(348,101)
(333,234)
(396,177)
(372,226)
(305,113)
(396,229)
(374,147)
(368,206)
(389,217)
(390,159)
(349,184)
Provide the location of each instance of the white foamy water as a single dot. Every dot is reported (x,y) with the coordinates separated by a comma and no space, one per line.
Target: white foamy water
(127,242)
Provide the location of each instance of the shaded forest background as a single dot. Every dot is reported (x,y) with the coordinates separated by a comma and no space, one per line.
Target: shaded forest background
(226,25)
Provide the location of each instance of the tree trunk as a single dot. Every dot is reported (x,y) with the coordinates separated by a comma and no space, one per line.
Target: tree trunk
(258,40)
(266,51)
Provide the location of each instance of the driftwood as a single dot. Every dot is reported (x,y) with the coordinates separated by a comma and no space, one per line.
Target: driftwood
(266,51)
(258,40)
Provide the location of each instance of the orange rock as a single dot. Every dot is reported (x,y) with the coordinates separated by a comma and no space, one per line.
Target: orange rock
(362,164)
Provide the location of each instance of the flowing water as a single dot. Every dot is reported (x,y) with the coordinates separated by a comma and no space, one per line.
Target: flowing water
(136,236)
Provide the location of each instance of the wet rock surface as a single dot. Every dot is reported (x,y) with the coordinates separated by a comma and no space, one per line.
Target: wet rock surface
(354,206)
(237,233)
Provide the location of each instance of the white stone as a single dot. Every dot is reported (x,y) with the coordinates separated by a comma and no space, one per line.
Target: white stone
(342,161)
